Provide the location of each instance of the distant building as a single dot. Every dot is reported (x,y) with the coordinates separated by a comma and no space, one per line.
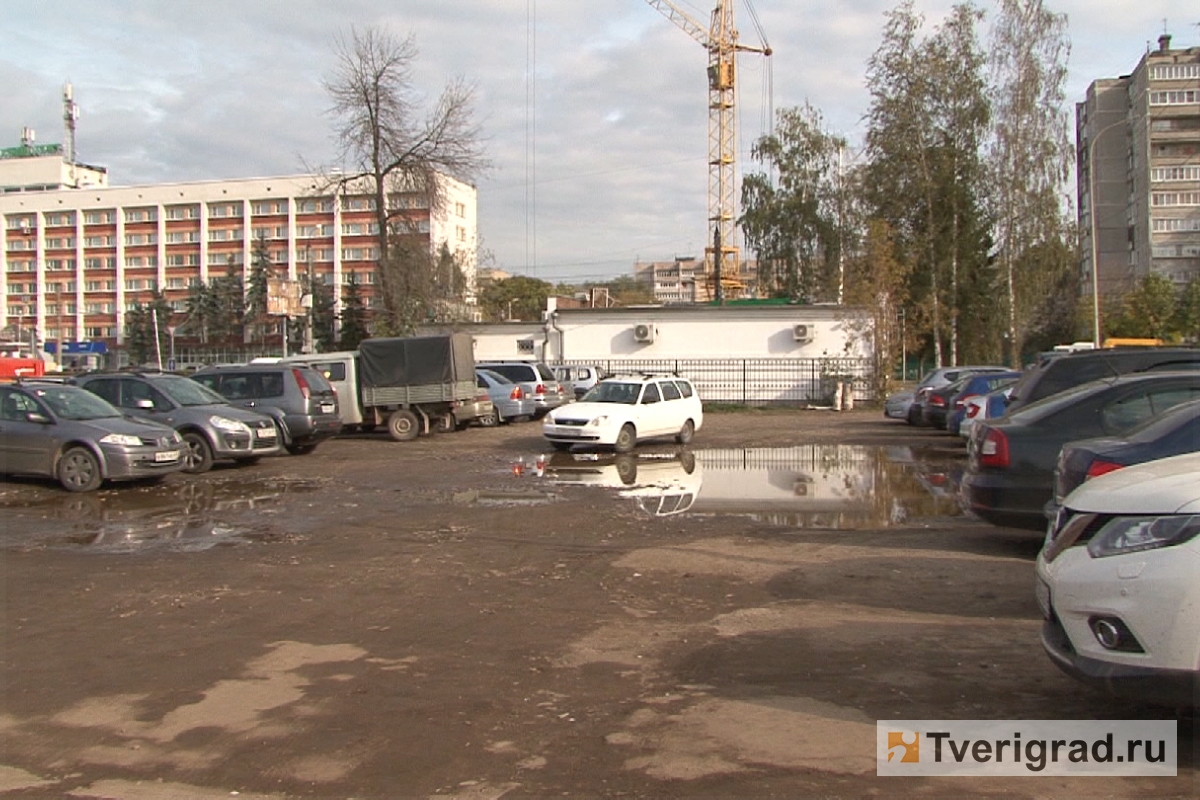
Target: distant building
(688,280)
(1141,133)
(78,254)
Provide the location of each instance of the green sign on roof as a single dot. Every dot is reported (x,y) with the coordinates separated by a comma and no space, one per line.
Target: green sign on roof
(31,151)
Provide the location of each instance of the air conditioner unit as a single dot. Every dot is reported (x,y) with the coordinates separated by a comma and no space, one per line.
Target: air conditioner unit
(644,332)
(524,345)
(802,333)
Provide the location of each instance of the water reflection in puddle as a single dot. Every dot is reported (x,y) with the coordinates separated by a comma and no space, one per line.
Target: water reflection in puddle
(810,486)
(186,516)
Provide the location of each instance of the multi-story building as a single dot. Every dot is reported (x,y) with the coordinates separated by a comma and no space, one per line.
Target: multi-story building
(1138,150)
(76,260)
(688,280)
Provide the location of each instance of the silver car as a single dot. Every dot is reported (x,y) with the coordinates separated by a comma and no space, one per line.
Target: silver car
(509,399)
(66,433)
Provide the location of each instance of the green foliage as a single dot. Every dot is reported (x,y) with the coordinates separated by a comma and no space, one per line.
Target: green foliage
(1187,314)
(1150,311)
(516,298)
(261,270)
(794,223)
(140,329)
(354,317)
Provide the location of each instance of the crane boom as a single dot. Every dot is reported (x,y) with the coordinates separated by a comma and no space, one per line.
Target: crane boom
(721,41)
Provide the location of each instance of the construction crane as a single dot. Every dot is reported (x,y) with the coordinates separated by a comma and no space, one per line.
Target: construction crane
(721,41)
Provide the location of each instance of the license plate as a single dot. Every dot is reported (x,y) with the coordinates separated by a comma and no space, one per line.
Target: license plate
(326,408)
(567,434)
(265,433)
(167,455)
(1043,598)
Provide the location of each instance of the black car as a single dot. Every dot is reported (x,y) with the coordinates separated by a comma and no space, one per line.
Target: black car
(1172,433)
(936,405)
(939,378)
(1055,372)
(1010,469)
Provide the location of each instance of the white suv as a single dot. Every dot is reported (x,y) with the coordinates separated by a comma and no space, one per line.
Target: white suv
(1119,582)
(619,412)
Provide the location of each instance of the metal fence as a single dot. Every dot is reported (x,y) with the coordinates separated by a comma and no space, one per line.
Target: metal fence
(756,381)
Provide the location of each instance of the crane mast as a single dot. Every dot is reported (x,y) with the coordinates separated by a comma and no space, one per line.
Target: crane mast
(721,41)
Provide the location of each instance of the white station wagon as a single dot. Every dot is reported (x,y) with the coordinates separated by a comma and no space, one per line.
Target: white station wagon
(621,411)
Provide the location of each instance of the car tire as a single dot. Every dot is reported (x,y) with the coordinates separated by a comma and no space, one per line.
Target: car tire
(686,433)
(627,469)
(490,420)
(447,424)
(301,449)
(626,439)
(197,453)
(403,425)
(79,470)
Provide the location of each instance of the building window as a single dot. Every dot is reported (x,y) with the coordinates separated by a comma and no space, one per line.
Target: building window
(1174,72)
(268,207)
(359,253)
(59,220)
(99,218)
(183,212)
(358,203)
(60,243)
(460,210)
(1175,199)
(1173,174)
(141,215)
(20,266)
(1173,224)
(135,239)
(98,241)
(24,224)
(1175,97)
(225,235)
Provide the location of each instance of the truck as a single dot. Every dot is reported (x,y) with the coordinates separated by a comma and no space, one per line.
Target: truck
(413,385)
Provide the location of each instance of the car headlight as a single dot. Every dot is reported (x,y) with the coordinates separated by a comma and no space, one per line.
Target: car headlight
(123,439)
(1131,534)
(599,421)
(229,425)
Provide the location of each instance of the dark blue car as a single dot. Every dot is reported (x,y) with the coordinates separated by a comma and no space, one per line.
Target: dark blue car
(978,384)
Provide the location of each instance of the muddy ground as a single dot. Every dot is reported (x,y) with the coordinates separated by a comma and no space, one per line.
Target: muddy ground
(435,618)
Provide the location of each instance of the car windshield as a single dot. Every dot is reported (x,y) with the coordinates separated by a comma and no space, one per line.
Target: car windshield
(67,402)
(186,391)
(613,392)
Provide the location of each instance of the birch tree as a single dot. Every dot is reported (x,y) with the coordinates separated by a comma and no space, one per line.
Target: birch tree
(1030,156)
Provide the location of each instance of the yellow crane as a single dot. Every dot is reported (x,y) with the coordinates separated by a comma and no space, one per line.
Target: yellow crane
(721,41)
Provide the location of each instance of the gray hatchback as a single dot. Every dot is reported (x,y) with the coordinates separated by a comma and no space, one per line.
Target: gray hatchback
(297,397)
(211,428)
(63,432)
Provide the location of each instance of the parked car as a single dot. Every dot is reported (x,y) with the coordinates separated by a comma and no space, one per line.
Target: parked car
(1116,582)
(536,380)
(509,400)
(1172,433)
(211,428)
(936,407)
(975,386)
(63,432)
(896,405)
(1010,466)
(580,378)
(1056,372)
(299,399)
(939,377)
(621,411)
(981,407)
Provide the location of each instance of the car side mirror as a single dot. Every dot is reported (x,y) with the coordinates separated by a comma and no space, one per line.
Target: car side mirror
(38,417)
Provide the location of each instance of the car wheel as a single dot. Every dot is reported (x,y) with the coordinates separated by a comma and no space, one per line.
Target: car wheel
(447,424)
(301,449)
(627,469)
(687,460)
(79,470)
(403,426)
(626,439)
(490,420)
(197,454)
(686,433)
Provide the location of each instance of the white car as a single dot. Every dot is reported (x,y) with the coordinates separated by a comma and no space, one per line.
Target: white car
(1119,582)
(620,412)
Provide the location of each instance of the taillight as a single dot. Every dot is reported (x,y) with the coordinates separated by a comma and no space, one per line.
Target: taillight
(303,384)
(993,450)
(937,400)
(516,393)
(972,410)
(539,389)
(1101,467)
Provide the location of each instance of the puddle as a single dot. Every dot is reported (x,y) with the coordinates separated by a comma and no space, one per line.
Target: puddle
(843,487)
(186,517)
(504,498)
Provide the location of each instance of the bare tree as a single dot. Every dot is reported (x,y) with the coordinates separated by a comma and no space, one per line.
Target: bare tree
(1030,154)
(392,146)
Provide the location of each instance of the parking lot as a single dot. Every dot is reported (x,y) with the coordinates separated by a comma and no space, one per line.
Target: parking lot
(465,615)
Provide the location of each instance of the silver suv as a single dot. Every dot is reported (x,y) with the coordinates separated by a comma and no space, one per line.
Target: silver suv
(211,428)
(297,397)
(536,380)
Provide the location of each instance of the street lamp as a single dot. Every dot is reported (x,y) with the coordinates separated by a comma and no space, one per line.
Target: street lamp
(1093,210)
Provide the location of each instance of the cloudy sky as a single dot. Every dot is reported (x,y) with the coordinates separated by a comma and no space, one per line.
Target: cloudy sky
(594,111)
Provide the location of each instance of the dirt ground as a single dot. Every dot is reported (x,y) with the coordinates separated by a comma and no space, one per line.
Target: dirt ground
(412,620)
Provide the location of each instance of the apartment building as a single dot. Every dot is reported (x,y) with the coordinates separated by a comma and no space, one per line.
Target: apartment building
(1138,151)
(687,279)
(76,260)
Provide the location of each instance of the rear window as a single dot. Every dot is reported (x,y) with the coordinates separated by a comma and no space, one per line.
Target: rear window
(544,373)
(685,388)
(518,372)
(316,380)
(332,371)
